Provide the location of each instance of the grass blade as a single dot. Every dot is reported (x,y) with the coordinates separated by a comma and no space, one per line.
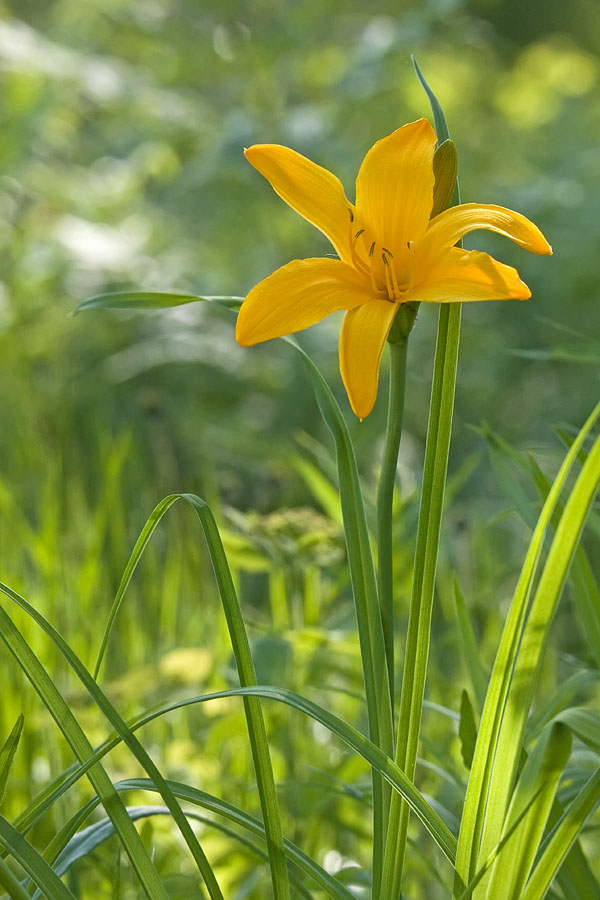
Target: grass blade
(254,717)
(151,300)
(71,845)
(487,738)
(136,554)
(33,863)
(535,789)
(80,745)
(561,839)
(533,643)
(364,587)
(11,884)
(245,666)
(7,754)
(117,722)
(353,738)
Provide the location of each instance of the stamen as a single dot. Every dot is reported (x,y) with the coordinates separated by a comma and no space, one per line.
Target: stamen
(411,266)
(388,281)
(397,288)
(356,262)
(372,270)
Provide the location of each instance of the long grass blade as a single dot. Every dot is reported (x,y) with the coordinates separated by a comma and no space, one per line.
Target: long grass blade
(533,643)
(83,843)
(561,839)
(535,790)
(33,863)
(151,300)
(117,722)
(349,735)
(7,754)
(364,587)
(67,851)
(487,738)
(254,717)
(83,750)
(245,665)
(11,883)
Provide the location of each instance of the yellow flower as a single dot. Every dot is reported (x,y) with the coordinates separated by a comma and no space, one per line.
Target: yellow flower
(390,252)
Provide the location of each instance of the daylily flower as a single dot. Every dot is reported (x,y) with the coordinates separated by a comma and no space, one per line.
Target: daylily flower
(390,252)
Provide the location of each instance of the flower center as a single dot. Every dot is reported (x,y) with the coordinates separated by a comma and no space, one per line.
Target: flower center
(378,263)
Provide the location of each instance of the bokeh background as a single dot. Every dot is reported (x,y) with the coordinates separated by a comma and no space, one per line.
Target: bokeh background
(123,124)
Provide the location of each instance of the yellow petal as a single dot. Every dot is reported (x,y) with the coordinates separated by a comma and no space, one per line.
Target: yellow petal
(297,295)
(462,275)
(309,189)
(452,224)
(362,339)
(394,188)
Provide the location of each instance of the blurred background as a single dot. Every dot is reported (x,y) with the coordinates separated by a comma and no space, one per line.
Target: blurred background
(123,125)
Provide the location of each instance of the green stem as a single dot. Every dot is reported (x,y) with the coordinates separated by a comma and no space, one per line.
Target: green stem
(385,499)
(368,614)
(426,553)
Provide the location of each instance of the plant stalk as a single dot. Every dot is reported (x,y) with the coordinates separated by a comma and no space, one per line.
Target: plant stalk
(385,499)
(426,553)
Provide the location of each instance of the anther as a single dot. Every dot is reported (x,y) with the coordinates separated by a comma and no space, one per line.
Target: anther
(372,248)
(351,214)
(358,234)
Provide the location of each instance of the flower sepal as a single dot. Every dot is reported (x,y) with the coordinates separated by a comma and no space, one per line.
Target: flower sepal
(404,322)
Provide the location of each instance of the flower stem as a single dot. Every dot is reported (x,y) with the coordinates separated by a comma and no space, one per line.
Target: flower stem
(385,499)
(426,553)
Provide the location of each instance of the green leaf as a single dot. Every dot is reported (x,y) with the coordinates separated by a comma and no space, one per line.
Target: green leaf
(364,588)
(535,791)
(245,666)
(7,754)
(72,731)
(353,738)
(151,300)
(439,119)
(61,712)
(585,723)
(500,683)
(11,884)
(86,841)
(528,659)
(561,839)
(34,864)
(467,729)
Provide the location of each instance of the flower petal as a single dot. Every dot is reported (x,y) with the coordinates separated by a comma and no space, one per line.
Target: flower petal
(312,191)
(362,339)
(394,188)
(462,275)
(452,224)
(297,295)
